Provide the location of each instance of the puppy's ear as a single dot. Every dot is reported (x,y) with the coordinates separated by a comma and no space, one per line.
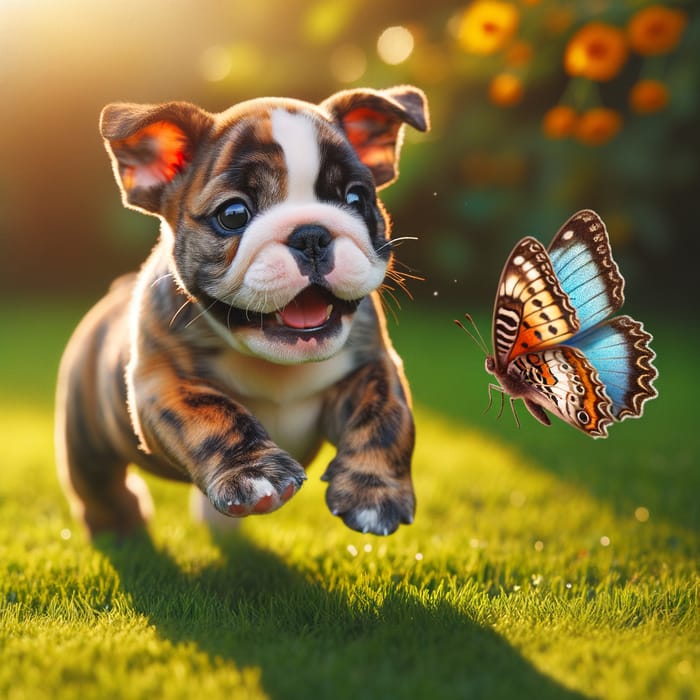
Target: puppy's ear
(149,146)
(373,123)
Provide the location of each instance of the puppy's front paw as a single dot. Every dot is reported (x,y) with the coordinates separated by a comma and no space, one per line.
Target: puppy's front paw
(368,501)
(266,483)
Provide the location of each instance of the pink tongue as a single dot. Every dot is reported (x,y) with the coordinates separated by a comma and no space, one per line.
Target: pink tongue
(308,309)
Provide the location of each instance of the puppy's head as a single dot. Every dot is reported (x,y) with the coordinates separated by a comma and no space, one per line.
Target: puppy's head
(270,208)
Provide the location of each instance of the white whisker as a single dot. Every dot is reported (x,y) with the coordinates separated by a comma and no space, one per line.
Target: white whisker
(392,242)
(176,314)
(161,278)
(200,314)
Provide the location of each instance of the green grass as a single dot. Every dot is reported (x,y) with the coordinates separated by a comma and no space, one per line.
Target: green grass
(531,571)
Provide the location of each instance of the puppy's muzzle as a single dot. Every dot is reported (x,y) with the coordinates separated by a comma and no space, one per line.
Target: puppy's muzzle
(310,245)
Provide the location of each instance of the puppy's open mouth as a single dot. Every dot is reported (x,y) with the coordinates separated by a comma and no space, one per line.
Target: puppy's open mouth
(313,313)
(310,310)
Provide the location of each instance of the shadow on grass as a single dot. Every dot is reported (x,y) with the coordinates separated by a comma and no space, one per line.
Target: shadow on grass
(253,610)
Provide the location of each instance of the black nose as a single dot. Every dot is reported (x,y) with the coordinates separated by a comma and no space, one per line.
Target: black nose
(311,239)
(311,246)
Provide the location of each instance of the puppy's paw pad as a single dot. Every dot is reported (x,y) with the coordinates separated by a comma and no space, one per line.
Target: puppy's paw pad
(244,494)
(203,511)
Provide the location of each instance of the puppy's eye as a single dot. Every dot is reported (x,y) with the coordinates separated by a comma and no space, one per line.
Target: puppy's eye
(232,217)
(355,197)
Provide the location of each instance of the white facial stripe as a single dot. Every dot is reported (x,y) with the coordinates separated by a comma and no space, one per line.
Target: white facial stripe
(297,136)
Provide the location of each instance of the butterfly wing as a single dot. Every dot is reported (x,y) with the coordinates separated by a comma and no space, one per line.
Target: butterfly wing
(553,346)
(582,261)
(531,310)
(620,352)
(563,381)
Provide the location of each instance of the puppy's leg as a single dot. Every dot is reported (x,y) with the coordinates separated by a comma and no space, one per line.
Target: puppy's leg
(215,441)
(368,417)
(100,491)
(94,440)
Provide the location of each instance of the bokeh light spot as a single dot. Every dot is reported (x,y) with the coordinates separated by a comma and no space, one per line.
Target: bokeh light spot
(641,514)
(395,45)
(348,63)
(215,63)
(326,20)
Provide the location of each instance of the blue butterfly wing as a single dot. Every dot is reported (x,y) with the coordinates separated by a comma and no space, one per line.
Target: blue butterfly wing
(619,351)
(582,260)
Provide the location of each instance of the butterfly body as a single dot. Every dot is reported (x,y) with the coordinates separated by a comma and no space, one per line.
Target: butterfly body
(554,343)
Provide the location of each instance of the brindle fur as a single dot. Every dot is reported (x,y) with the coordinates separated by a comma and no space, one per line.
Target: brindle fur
(145,379)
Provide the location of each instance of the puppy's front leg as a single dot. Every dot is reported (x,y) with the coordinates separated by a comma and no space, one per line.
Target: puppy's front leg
(216,442)
(369,419)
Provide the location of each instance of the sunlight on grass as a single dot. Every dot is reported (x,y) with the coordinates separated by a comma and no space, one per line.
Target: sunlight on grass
(511,580)
(541,563)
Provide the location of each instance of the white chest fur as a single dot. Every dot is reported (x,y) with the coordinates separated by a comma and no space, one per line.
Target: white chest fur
(286,399)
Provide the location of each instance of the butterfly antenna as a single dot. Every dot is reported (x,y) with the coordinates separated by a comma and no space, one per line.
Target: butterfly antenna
(474,334)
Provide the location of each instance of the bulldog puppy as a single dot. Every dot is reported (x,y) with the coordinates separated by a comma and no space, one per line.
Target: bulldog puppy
(254,331)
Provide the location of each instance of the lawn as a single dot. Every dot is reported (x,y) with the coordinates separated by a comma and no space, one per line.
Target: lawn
(542,564)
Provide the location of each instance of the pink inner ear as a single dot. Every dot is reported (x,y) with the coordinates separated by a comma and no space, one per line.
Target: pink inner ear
(152,156)
(373,135)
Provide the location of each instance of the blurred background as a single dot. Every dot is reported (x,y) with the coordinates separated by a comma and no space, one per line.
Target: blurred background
(539,108)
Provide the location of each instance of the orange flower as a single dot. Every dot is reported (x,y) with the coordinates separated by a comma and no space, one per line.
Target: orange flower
(656,29)
(648,96)
(559,122)
(597,126)
(506,90)
(487,26)
(597,52)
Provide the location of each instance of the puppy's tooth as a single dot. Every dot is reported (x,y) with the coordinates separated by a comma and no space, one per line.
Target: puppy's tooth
(278,318)
(329,311)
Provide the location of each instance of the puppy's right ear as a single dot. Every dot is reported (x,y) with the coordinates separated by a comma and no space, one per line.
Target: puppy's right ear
(150,145)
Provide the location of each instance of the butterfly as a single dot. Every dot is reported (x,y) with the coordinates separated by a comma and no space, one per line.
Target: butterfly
(555,345)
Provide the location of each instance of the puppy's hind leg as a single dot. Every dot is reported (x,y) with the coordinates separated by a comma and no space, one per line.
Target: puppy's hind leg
(101,492)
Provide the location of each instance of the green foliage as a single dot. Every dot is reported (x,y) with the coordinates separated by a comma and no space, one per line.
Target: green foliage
(541,564)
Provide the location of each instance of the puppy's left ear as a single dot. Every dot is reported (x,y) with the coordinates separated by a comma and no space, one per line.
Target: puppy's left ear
(373,123)
(150,145)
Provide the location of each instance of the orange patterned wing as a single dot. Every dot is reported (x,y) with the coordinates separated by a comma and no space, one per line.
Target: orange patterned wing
(531,311)
(564,382)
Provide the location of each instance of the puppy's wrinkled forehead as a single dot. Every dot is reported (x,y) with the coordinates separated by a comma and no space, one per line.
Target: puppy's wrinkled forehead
(280,153)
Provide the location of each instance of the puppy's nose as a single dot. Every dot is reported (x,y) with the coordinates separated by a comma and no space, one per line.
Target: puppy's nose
(312,240)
